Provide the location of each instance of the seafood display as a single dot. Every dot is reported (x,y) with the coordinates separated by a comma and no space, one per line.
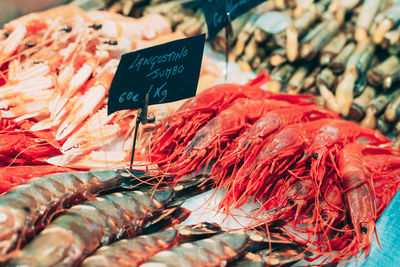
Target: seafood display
(79,230)
(307,144)
(56,69)
(79,236)
(334,49)
(301,163)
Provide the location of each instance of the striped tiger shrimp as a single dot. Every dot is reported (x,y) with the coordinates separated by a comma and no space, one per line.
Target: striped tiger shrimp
(26,207)
(80,230)
(279,255)
(139,249)
(269,123)
(218,250)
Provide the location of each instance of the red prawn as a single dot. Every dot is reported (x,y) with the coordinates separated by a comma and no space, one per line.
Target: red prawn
(359,193)
(180,128)
(19,146)
(213,138)
(269,123)
(319,158)
(265,163)
(11,176)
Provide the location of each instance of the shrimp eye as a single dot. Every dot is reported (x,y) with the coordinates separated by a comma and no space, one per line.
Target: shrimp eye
(67,28)
(111,42)
(6,34)
(96,26)
(151,119)
(29,44)
(315,155)
(291,202)
(364,229)
(341,234)
(324,217)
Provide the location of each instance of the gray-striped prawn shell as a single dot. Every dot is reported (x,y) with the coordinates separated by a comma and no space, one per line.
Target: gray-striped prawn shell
(276,256)
(25,207)
(218,250)
(133,252)
(83,228)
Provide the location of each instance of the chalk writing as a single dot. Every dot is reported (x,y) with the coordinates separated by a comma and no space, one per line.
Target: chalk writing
(167,73)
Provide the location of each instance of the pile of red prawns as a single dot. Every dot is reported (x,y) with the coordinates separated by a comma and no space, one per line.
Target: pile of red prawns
(23,153)
(311,172)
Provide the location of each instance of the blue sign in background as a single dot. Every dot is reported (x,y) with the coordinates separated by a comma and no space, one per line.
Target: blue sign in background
(215,12)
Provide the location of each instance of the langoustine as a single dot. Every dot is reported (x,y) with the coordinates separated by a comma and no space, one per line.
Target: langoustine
(55,61)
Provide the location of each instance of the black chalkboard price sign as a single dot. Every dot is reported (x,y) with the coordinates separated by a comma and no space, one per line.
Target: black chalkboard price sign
(155,75)
(215,12)
(166,73)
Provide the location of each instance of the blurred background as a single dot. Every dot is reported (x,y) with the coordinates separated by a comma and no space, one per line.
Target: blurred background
(10,9)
